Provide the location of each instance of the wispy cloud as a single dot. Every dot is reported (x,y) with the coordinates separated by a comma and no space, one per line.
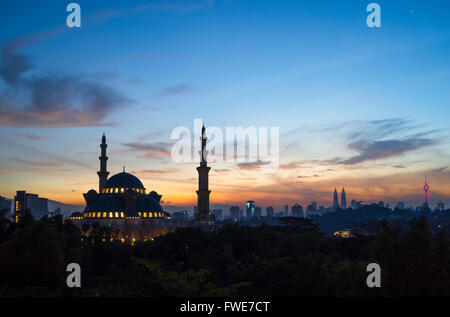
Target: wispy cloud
(52,100)
(173,90)
(252,165)
(382,139)
(34,163)
(151,150)
(384,149)
(29,136)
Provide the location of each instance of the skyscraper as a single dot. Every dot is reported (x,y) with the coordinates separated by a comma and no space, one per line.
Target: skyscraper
(343,199)
(335,200)
(234,212)
(258,212)
(250,206)
(269,211)
(297,211)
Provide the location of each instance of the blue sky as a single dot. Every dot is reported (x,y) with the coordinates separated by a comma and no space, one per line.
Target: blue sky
(312,68)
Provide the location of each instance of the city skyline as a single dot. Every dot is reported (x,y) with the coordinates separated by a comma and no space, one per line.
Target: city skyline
(365,109)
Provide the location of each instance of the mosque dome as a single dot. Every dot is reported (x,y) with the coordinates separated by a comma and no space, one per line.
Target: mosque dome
(124,180)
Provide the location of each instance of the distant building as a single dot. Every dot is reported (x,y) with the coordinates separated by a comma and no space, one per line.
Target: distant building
(250,205)
(297,211)
(37,206)
(180,215)
(258,212)
(235,212)
(441,206)
(217,213)
(343,199)
(269,211)
(312,210)
(286,210)
(380,204)
(356,204)
(400,205)
(5,204)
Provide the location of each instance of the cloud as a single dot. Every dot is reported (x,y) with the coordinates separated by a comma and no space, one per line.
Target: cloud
(163,171)
(381,139)
(52,100)
(439,170)
(173,90)
(151,150)
(27,136)
(33,163)
(252,165)
(384,149)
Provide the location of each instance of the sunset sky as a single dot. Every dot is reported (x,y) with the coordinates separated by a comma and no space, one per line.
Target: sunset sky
(364,108)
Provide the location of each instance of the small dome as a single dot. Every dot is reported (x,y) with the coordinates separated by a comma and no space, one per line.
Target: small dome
(147,203)
(123,180)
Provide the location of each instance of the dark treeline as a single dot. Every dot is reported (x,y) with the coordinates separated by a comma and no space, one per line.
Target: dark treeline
(293,259)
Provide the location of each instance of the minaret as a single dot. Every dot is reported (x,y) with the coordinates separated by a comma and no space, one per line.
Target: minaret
(343,199)
(203,189)
(335,200)
(103,173)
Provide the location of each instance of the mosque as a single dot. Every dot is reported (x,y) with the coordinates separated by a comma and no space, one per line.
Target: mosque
(123,204)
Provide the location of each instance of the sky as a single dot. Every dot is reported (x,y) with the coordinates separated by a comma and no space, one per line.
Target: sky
(357,107)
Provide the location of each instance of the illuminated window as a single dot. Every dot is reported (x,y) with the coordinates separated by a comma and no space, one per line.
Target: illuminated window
(116,190)
(145,215)
(139,214)
(116,215)
(99,214)
(110,215)
(150,214)
(121,214)
(104,215)
(122,190)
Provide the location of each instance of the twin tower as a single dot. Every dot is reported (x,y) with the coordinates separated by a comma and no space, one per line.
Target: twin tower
(336,201)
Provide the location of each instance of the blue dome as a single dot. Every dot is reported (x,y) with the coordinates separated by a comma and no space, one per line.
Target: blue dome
(123,180)
(146,203)
(107,203)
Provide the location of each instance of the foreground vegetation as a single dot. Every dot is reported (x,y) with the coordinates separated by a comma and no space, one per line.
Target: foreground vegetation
(293,259)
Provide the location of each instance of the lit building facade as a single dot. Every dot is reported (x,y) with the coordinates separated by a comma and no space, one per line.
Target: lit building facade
(37,206)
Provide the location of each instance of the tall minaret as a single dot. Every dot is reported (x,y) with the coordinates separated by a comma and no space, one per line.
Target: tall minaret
(203,190)
(103,173)
(343,199)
